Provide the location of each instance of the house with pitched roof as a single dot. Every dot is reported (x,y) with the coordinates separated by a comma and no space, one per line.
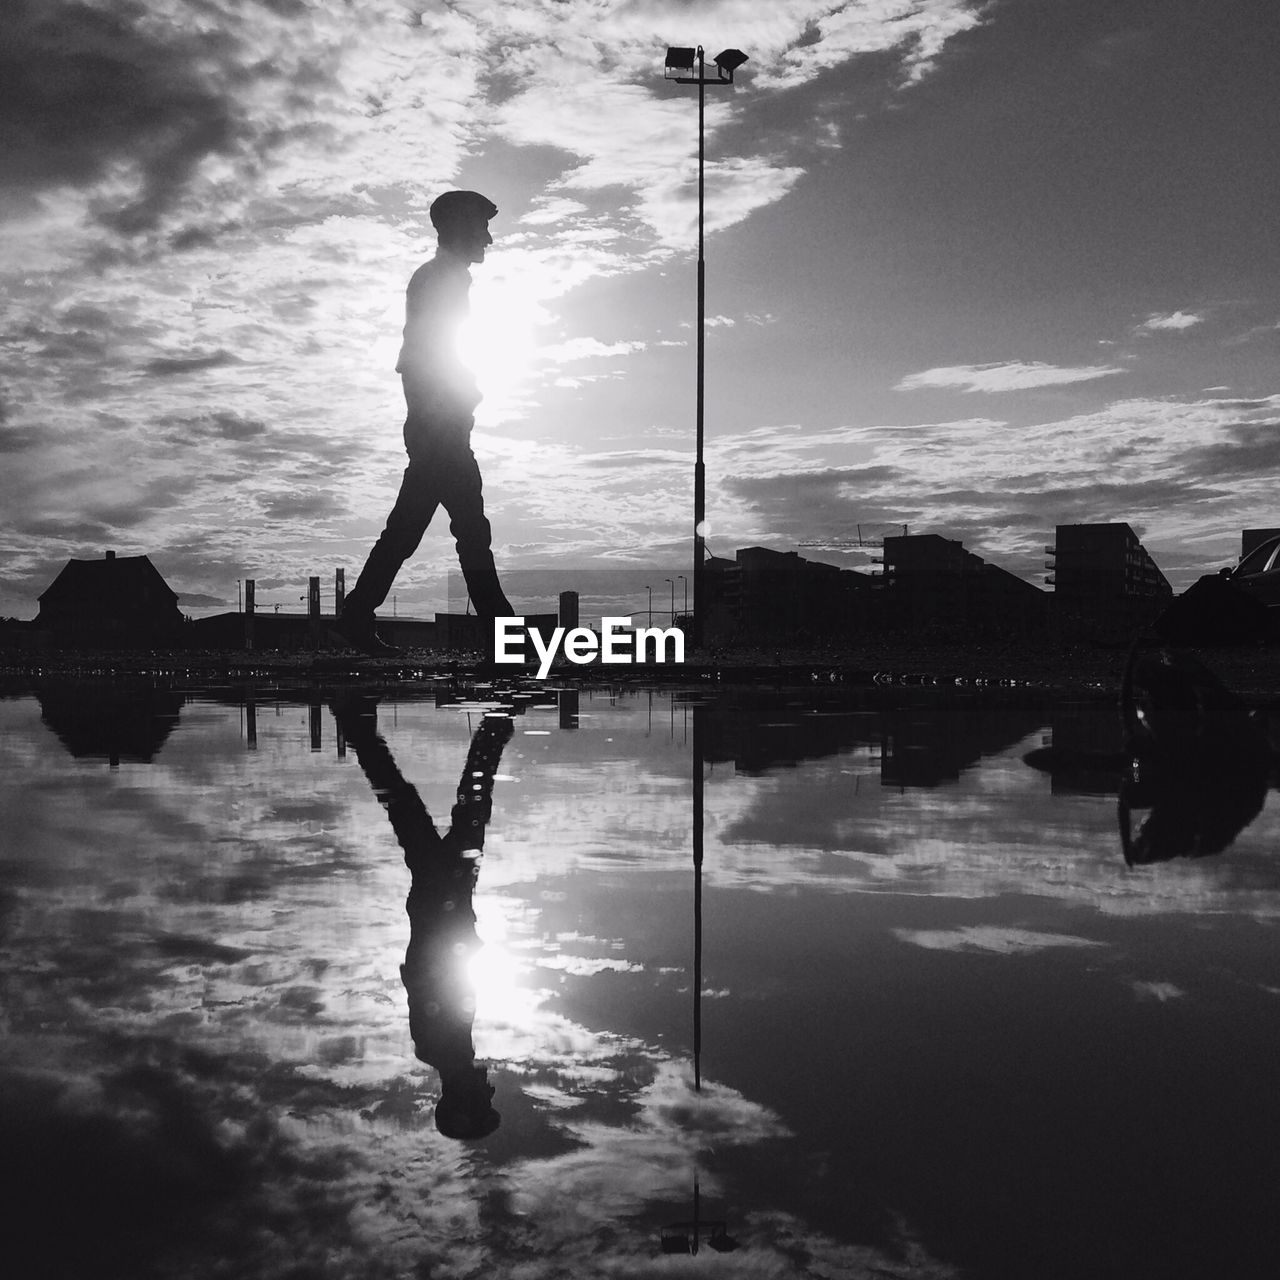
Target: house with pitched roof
(119,599)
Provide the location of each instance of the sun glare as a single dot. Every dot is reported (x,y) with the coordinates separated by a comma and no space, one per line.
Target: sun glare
(497,974)
(499,340)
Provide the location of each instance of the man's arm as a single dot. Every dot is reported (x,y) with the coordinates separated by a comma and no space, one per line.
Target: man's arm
(437,385)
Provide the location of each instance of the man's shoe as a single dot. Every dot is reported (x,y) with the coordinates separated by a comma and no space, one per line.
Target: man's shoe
(359,633)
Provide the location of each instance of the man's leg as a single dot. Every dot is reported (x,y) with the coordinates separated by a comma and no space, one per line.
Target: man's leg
(461,493)
(415,504)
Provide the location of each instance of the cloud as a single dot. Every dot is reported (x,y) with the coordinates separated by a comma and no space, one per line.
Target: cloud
(1181,472)
(1249,450)
(221,425)
(587,349)
(21,439)
(919,31)
(1173,321)
(315,505)
(167,366)
(157,124)
(626,459)
(548,210)
(622,135)
(205,130)
(224,199)
(97,94)
(1010,375)
(587,80)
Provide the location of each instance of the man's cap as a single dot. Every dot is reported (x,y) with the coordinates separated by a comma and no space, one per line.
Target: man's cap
(465,1110)
(464,1124)
(457,207)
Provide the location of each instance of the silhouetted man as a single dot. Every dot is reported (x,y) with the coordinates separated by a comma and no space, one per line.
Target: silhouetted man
(442,921)
(441,396)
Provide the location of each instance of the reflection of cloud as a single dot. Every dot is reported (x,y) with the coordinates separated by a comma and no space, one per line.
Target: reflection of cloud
(1005,941)
(990,833)
(648,1160)
(582,966)
(215,938)
(1161,991)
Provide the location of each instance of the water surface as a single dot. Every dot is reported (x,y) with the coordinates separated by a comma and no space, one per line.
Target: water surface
(943,1028)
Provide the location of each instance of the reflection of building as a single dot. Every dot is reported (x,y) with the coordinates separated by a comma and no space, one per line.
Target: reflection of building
(923,737)
(931,742)
(120,599)
(765,595)
(1085,751)
(1104,579)
(110,722)
(764,729)
(932,584)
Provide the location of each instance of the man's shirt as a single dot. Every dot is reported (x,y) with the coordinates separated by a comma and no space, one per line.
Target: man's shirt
(438,388)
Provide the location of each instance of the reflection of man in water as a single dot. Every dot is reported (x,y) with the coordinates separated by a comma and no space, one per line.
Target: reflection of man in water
(441,395)
(442,922)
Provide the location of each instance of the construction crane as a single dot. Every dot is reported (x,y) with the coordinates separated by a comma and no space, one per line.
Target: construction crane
(868,539)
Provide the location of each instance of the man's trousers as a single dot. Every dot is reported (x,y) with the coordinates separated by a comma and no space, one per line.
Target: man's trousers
(439,474)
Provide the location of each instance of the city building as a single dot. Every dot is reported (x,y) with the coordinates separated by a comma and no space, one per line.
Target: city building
(764,596)
(1105,582)
(1250,538)
(934,587)
(569,610)
(115,600)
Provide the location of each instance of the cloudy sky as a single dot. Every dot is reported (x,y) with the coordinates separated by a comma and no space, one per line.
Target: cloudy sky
(976,268)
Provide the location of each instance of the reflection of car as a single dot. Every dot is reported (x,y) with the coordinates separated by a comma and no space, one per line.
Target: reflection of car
(1259,572)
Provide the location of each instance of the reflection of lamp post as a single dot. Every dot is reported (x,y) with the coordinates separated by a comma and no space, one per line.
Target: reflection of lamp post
(697,789)
(686,1237)
(682,60)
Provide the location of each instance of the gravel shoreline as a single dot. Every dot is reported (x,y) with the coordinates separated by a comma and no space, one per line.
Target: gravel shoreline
(1251,671)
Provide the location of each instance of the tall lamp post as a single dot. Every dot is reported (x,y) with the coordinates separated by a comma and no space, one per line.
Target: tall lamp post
(673,599)
(688,66)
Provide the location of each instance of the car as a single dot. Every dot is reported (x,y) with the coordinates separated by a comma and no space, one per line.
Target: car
(1258,573)
(1236,605)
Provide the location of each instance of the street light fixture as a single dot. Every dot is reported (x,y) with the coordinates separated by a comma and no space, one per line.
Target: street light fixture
(681,578)
(688,66)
